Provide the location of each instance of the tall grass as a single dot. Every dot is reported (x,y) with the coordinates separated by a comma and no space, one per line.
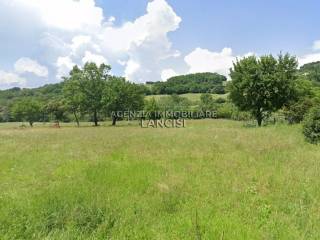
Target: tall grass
(214,179)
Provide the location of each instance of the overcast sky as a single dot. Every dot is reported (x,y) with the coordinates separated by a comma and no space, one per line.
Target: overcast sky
(40,40)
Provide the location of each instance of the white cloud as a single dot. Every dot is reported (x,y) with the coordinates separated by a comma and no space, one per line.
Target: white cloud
(311,57)
(144,42)
(90,57)
(203,60)
(111,20)
(68,15)
(167,73)
(157,22)
(316,45)
(64,66)
(132,68)
(8,80)
(141,46)
(72,31)
(27,65)
(308,58)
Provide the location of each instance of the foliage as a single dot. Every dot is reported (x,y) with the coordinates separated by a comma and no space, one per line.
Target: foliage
(311,71)
(311,126)
(91,83)
(174,103)
(191,83)
(295,110)
(120,95)
(206,102)
(57,109)
(27,110)
(152,108)
(72,94)
(263,85)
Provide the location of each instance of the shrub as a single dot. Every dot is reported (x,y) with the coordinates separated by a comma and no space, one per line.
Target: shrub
(296,112)
(220,100)
(225,110)
(311,126)
(228,110)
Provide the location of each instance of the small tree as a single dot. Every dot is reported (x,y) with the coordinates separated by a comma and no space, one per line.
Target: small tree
(305,100)
(152,108)
(206,102)
(27,110)
(57,109)
(120,95)
(311,126)
(263,85)
(72,94)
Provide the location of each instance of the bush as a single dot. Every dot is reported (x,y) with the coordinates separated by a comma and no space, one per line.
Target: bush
(220,100)
(296,112)
(225,110)
(311,126)
(228,110)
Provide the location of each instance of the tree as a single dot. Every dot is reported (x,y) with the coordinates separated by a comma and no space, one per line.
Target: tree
(173,103)
(312,71)
(120,95)
(190,83)
(57,109)
(72,94)
(152,109)
(263,85)
(206,102)
(91,82)
(296,110)
(27,110)
(311,126)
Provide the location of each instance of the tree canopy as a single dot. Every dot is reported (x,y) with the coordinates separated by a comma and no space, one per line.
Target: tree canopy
(191,83)
(263,85)
(121,95)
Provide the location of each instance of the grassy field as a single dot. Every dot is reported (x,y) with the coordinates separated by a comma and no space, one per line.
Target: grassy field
(214,179)
(191,96)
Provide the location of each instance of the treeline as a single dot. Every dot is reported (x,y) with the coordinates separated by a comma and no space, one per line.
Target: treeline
(311,71)
(191,83)
(261,88)
(87,94)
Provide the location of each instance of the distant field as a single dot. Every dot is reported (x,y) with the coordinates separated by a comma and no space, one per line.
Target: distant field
(214,179)
(191,96)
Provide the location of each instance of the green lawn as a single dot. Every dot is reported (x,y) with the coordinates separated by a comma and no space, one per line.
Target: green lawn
(214,179)
(191,96)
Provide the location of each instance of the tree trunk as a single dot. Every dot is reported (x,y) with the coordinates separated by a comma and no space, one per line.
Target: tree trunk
(259,118)
(77,119)
(95,118)
(114,120)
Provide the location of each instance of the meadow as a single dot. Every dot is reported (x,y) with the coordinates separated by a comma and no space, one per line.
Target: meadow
(214,179)
(193,97)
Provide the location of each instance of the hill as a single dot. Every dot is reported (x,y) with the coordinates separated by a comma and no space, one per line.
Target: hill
(312,71)
(191,83)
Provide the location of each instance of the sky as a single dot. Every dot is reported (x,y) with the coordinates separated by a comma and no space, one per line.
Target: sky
(148,40)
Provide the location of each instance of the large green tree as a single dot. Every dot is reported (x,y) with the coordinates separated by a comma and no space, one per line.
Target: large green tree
(90,83)
(121,95)
(263,85)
